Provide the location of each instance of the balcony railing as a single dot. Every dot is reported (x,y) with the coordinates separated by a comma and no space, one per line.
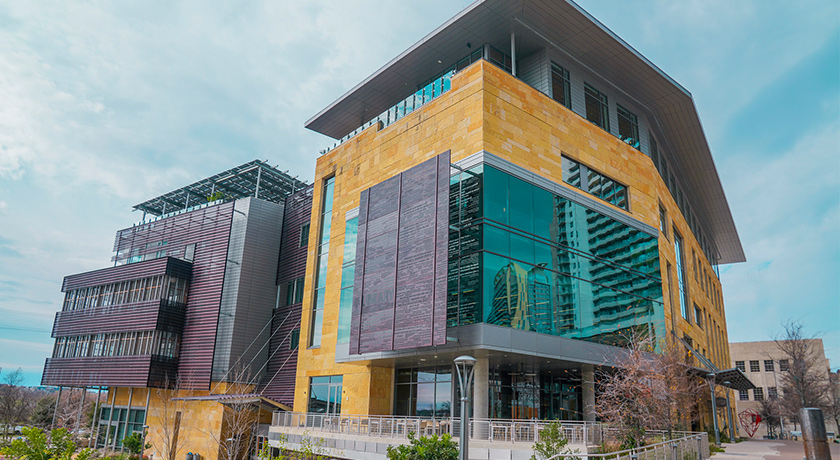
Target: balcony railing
(481,429)
(423,96)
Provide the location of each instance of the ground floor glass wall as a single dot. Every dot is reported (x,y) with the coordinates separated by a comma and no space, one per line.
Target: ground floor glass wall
(123,422)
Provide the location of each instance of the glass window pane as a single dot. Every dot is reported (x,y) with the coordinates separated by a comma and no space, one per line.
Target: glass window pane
(521,248)
(571,171)
(521,199)
(543,213)
(496,195)
(496,240)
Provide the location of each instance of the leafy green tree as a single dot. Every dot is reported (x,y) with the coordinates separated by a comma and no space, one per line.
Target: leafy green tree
(134,443)
(551,442)
(425,448)
(36,445)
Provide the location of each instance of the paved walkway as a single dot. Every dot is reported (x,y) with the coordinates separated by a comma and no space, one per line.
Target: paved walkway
(768,449)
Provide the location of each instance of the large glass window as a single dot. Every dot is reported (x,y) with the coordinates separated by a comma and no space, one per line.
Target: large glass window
(528,259)
(321,264)
(560,86)
(678,249)
(591,181)
(325,394)
(597,107)
(628,127)
(123,423)
(348,273)
(424,392)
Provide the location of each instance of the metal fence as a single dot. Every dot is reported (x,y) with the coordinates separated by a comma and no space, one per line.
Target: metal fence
(691,446)
(491,430)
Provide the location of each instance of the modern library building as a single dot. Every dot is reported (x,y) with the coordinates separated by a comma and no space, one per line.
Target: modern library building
(521,186)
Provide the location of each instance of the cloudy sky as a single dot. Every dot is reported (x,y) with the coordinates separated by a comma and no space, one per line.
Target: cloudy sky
(106,104)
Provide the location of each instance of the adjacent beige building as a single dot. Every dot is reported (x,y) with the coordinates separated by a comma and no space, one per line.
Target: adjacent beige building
(765,364)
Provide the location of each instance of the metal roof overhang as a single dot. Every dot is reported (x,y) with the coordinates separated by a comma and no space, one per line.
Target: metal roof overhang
(730,378)
(564,26)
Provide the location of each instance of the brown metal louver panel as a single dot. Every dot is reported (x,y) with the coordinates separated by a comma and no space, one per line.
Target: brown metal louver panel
(399,294)
(279,382)
(141,316)
(161,266)
(119,371)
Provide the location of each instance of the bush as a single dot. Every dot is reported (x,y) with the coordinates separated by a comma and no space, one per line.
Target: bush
(36,445)
(423,448)
(551,442)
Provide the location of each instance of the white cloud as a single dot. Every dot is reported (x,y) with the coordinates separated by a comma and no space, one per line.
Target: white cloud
(788,217)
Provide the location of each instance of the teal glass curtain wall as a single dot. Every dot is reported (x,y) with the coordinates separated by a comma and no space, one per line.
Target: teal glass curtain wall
(523,257)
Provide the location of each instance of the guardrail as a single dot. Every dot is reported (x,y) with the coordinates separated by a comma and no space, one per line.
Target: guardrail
(695,446)
(491,430)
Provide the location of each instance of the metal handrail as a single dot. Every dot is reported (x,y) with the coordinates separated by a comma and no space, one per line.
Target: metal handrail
(693,446)
(487,429)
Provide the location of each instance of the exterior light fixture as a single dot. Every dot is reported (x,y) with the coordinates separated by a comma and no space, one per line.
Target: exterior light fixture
(729,413)
(466,367)
(711,377)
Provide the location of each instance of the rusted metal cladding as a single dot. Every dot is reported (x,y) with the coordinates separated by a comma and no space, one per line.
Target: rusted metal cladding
(279,381)
(399,296)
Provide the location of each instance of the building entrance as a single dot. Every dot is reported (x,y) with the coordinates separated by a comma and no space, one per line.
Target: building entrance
(532,395)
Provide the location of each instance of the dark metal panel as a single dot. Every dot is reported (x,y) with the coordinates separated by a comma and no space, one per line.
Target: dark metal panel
(399,297)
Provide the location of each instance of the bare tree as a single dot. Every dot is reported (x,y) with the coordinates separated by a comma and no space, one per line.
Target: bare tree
(16,401)
(240,416)
(68,415)
(832,409)
(805,383)
(770,413)
(167,412)
(650,390)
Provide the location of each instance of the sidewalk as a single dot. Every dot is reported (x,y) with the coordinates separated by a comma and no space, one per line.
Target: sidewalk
(767,449)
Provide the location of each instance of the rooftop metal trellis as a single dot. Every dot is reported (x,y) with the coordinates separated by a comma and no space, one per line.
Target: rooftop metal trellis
(255,178)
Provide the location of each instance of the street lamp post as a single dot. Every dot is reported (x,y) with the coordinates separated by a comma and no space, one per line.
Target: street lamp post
(466,367)
(143,440)
(714,408)
(729,414)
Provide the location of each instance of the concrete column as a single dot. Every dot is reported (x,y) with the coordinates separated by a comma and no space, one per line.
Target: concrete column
(814,435)
(588,386)
(480,399)
(481,403)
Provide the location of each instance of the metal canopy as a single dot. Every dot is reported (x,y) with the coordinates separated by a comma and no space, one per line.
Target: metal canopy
(563,26)
(255,178)
(737,379)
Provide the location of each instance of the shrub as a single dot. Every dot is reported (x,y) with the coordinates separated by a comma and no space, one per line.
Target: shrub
(425,448)
(551,442)
(36,445)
